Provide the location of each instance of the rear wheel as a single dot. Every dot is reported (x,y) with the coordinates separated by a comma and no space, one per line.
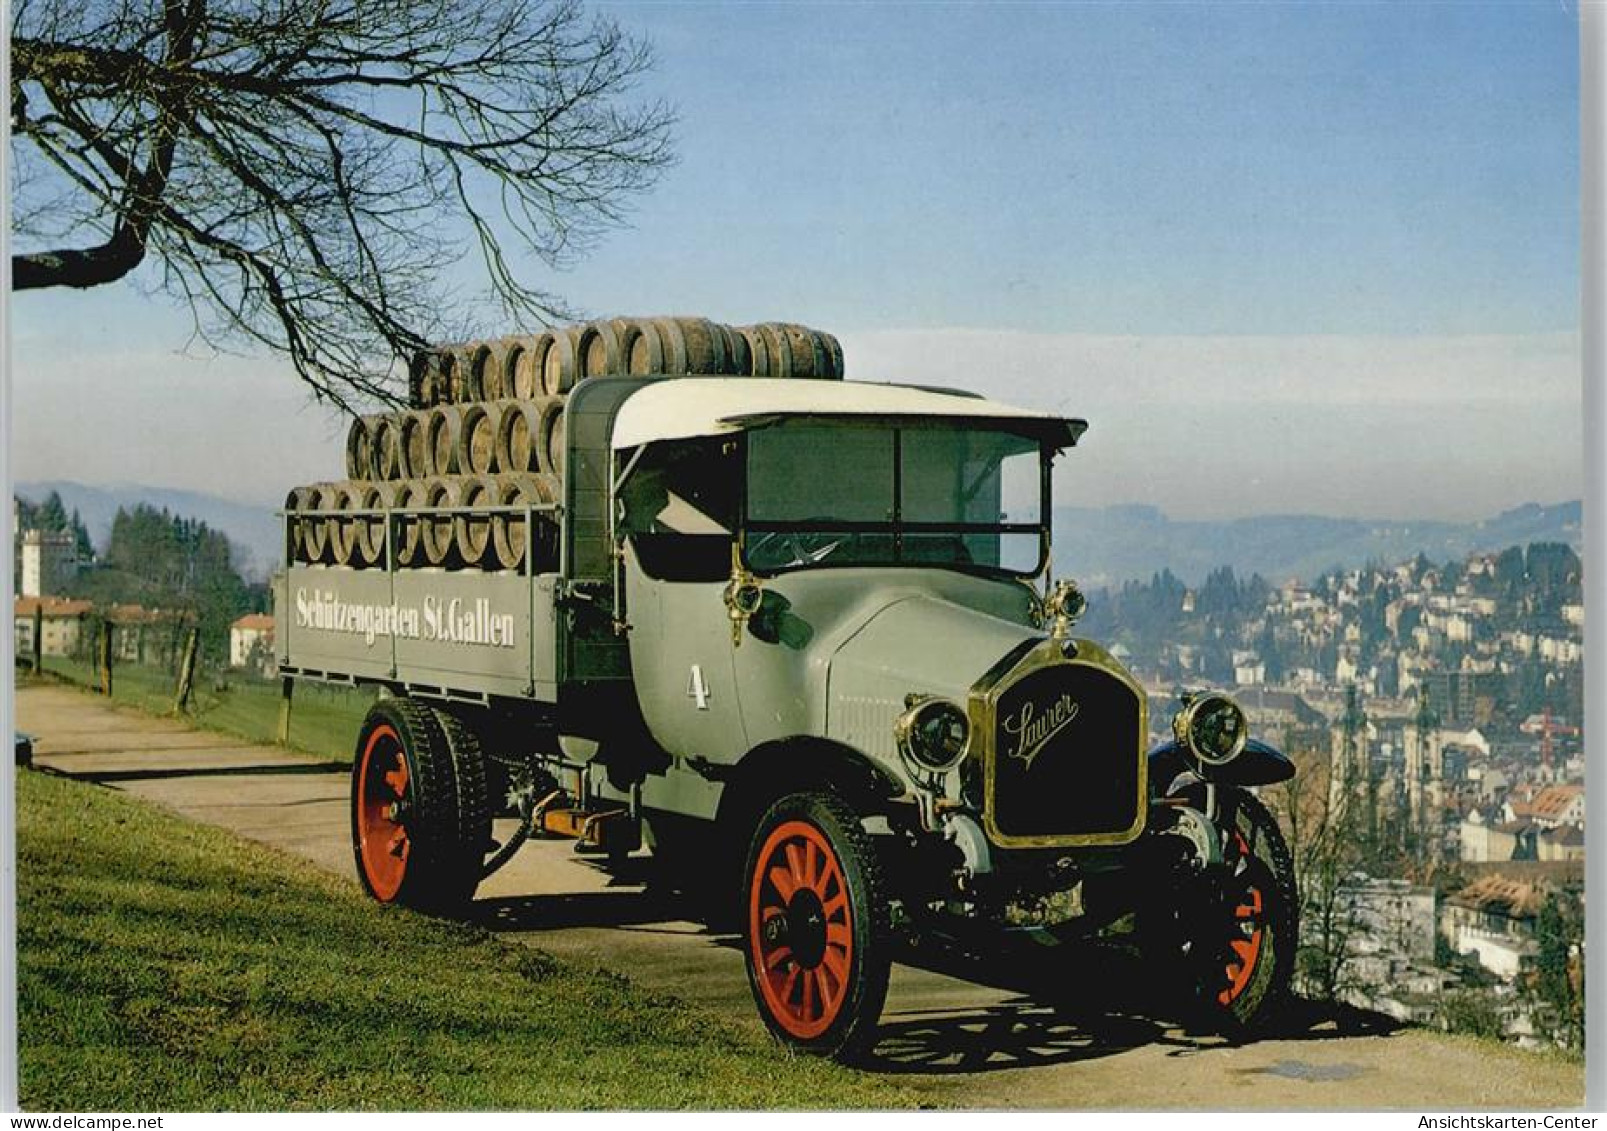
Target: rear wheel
(816,926)
(419,819)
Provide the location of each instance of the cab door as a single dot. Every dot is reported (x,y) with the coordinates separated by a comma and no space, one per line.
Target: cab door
(676,513)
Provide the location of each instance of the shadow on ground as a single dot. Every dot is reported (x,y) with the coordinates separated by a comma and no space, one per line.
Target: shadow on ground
(1066,1003)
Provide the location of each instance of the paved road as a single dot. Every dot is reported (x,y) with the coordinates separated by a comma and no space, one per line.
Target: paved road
(1032,1042)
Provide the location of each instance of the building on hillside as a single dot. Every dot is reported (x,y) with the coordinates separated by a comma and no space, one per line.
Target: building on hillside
(1566,842)
(1547,805)
(1462,698)
(1390,948)
(49,562)
(251,643)
(1485,839)
(61,625)
(1493,919)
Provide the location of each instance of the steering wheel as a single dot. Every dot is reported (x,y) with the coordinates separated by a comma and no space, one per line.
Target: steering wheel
(785,549)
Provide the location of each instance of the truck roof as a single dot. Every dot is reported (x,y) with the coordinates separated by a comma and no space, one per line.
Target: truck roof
(686,407)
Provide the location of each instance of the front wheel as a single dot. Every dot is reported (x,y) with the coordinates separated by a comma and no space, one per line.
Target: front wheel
(1233,928)
(816,926)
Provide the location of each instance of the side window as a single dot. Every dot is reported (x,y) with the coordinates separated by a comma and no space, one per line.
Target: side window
(679,508)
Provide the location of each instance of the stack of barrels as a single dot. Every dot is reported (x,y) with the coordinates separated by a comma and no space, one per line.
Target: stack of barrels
(474,468)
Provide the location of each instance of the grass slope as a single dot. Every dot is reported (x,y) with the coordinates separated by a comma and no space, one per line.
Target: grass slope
(169,966)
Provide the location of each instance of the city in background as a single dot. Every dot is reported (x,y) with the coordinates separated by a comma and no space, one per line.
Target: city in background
(1433,707)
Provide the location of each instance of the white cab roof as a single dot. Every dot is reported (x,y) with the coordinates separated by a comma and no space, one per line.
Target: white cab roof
(683,407)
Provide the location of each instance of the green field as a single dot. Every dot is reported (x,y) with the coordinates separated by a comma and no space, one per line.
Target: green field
(164,965)
(324,720)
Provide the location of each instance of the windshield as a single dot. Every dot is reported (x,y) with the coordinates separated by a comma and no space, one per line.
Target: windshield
(835,494)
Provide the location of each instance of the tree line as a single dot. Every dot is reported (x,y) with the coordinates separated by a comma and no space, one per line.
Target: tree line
(158,560)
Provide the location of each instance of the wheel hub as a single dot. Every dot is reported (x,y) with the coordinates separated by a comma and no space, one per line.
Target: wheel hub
(806,928)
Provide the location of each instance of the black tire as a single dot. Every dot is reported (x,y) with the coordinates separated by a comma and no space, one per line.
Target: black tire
(420,825)
(815,926)
(1231,932)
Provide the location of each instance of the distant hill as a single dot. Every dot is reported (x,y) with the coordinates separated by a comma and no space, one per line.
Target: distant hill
(1107,545)
(254,530)
(1097,545)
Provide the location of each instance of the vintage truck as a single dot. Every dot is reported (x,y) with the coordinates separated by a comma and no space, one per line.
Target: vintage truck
(800,638)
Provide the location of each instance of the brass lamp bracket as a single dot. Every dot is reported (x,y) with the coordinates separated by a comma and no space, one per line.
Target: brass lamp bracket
(1064,604)
(743,596)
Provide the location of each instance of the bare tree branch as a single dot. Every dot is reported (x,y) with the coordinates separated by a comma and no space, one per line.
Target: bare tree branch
(308,175)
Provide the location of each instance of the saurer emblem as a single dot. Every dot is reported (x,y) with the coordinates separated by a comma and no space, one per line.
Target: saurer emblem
(1032,730)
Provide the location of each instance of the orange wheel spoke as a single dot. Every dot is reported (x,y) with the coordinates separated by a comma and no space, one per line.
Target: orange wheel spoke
(808,1008)
(791,981)
(397,778)
(795,865)
(398,844)
(1245,949)
(837,962)
(811,855)
(839,934)
(835,904)
(777,957)
(783,881)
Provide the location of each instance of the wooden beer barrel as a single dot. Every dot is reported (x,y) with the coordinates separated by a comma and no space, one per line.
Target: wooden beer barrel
(738,353)
(294,548)
(758,351)
(834,351)
(386,446)
(370,544)
(437,529)
(319,498)
(472,532)
(424,379)
(807,351)
(442,430)
(413,452)
(510,535)
(672,346)
(527,362)
(778,349)
(360,448)
(519,434)
(477,437)
(644,357)
(344,537)
(561,368)
(407,535)
(488,370)
(705,346)
(550,440)
(600,352)
(465,376)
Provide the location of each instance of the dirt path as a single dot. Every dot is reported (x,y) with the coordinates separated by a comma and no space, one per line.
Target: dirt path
(1030,1041)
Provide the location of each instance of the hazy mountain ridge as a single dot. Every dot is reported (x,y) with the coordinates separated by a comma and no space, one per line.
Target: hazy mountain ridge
(1097,545)
(1107,545)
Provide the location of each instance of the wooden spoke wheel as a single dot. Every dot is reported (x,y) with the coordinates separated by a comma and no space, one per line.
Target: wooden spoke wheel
(1237,929)
(420,822)
(816,926)
(1244,924)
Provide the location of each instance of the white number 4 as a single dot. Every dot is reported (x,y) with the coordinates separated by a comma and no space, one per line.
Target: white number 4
(697,689)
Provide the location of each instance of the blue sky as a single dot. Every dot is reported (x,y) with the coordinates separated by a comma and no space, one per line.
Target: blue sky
(1291,214)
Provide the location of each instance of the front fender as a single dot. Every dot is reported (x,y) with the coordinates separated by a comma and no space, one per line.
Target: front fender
(1257,764)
